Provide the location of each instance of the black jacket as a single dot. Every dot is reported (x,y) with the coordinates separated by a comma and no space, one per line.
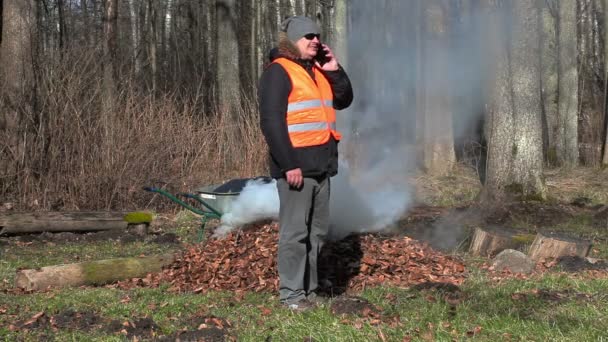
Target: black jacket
(274,88)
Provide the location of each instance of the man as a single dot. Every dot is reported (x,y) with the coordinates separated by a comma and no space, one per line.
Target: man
(298,96)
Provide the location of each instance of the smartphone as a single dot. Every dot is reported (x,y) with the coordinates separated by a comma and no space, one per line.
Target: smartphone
(321,56)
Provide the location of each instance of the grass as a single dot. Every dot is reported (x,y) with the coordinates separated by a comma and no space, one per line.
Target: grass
(489,311)
(551,306)
(486,309)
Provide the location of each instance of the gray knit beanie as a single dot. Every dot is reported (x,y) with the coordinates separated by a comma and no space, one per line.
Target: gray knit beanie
(298,26)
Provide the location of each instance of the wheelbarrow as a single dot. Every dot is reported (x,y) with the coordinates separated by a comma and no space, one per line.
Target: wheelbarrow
(212,201)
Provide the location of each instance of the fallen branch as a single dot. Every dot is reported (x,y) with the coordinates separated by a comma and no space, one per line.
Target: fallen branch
(61,222)
(90,273)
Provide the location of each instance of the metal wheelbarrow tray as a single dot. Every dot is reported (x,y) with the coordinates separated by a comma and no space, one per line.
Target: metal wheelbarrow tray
(213,200)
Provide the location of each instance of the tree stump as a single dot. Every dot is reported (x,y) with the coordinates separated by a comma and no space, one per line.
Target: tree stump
(138,229)
(556,245)
(490,241)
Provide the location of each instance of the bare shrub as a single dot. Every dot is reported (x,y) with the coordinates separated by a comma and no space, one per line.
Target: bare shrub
(68,160)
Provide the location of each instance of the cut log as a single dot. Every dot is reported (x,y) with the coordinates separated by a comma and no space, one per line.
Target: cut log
(490,241)
(90,273)
(556,245)
(138,229)
(60,222)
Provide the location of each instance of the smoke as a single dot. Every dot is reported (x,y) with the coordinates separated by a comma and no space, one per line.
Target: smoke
(388,54)
(359,207)
(258,200)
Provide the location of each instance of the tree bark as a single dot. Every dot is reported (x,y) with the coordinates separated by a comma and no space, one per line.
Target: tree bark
(439,153)
(135,38)
(515,161)
(605,111)
(109,61)
(568,104)
(86,33)
(90,273)
(546,246)
(591,119)
(16,77)
(340,36)
(489,242)
(549,79)
(152,44)
(60,222)
(228,64)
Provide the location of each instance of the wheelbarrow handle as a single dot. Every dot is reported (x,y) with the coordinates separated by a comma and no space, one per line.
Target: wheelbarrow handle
(202,202)
(175,199)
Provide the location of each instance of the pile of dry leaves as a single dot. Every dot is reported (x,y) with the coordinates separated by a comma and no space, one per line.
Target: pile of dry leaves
(246,261)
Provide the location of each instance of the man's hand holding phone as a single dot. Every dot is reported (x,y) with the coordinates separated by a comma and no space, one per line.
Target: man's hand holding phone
(325,58)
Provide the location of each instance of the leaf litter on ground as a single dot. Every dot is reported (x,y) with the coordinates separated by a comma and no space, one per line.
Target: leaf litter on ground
(245,261)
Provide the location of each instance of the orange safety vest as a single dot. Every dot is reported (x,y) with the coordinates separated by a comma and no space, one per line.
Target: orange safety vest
(311,117)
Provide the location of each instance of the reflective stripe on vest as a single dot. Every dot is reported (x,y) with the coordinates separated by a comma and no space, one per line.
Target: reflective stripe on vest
(311,126)
(302,105)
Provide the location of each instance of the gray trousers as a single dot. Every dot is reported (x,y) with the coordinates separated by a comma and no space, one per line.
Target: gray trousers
(304,224)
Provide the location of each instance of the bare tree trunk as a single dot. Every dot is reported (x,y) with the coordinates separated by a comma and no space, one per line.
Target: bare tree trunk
(16,77)
(152,44)
(61,19)
(590,125)
(439,154)
(567,142)
(84,7)
(135,38)
(245,36)
(211,60)
(515,162)
(109,60)
(340,37)
(420,45)
(228,54)
(549,79)
(1,18)
(605,111)
(18,27)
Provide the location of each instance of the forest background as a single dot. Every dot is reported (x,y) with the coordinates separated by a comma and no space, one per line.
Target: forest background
(101,97)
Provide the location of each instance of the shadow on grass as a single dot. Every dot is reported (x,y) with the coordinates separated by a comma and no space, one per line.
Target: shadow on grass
(339,262)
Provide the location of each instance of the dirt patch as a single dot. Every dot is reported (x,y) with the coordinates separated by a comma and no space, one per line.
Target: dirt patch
(138,328)
(68,319)
(357,306)
(106,235)
(444,229)
(75,320)
(531,213)
(207,328)
(600,218)
(576,264)
(198,328)
(168,238)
